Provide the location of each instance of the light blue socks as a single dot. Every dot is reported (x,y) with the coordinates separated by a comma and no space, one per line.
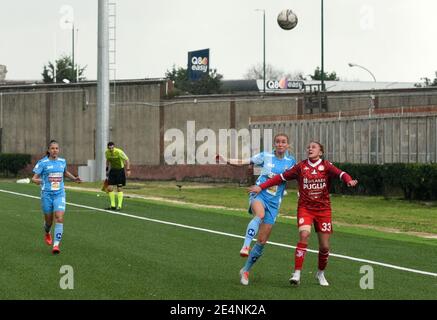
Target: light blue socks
(254,255)
(59,229)
(252,230)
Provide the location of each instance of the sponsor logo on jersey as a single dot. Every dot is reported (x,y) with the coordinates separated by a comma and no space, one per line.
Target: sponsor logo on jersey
(314,171)
(314,184)
(321,168)
(55,176)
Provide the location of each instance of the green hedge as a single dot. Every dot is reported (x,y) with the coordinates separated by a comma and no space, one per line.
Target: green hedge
(11,163)
(412,181)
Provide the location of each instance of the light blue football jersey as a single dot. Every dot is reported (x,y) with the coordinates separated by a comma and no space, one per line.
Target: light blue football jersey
(271,166)
(51,173)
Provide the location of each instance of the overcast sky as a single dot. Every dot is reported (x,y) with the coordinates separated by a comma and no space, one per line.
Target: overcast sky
(395,39)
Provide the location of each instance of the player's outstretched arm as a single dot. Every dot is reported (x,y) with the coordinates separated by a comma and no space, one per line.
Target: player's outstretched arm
(73,177)
(219,159)
(289,174)
(344,176)
(36,179)
(352,183)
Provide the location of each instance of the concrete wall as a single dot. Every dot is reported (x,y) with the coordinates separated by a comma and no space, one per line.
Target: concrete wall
(140,115)
(32,116)
(347,101)
(220,113)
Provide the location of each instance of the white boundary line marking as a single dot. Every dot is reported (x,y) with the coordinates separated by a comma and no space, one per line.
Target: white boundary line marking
(230,235)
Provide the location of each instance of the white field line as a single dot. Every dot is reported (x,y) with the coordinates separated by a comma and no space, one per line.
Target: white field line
(231,235)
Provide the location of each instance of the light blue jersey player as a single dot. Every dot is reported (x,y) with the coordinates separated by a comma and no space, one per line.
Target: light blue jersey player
(265,205)
(270,198)
(49,173)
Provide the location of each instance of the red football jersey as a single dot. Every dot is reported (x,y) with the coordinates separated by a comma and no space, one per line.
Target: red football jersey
(314,181)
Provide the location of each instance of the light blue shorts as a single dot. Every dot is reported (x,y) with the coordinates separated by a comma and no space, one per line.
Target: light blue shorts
(51,202)
(270,208)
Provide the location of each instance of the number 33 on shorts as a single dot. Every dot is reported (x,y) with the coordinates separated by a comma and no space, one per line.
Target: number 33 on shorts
(325,227)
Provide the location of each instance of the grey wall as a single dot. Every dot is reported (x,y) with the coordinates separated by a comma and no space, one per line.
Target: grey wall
(139,116)
(31,117)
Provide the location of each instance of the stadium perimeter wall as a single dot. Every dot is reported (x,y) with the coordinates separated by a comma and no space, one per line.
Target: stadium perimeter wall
(140,114)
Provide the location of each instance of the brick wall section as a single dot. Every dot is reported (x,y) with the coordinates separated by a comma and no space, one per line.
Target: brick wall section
(203,173)
(200,173)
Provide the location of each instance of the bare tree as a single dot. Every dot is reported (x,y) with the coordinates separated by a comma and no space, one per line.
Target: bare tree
(272,73)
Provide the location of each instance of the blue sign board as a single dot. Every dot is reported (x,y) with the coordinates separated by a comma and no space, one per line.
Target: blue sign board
(198,64)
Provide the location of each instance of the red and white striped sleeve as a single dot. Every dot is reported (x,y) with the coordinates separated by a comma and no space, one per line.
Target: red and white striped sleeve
(336,172)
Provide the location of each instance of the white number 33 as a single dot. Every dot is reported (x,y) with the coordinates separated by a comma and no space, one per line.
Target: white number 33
(326,226)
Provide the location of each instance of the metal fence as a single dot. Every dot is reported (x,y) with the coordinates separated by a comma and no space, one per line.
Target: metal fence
(407,137)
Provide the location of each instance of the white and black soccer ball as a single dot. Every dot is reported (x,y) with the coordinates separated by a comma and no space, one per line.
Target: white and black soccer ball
(287,19)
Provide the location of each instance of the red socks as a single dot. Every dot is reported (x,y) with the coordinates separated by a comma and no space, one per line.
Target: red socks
(323,259)
(299,255)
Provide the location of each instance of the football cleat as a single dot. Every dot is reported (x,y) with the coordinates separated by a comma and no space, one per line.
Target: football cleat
(320,275)
(56,250)
(244,252)
(111,208)
(118,209)
(295,279)
(244,277)
(48,239)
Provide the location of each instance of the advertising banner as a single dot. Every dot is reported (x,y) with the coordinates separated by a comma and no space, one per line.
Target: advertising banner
(198,64)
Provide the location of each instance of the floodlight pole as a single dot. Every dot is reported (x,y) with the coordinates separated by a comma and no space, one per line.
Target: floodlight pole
(102,117)
(264,48)
(322,76)
(72,52)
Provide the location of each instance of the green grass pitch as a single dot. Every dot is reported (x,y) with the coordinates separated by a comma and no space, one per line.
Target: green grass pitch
(122,257)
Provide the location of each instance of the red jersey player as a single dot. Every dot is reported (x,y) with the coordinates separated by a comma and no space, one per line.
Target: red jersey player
(314,176)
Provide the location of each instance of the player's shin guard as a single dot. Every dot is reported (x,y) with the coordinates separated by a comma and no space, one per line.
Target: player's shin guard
(254,255)
(112,198)
(120,199)
(59,230)
(323,258)
(252,230)
(299,255)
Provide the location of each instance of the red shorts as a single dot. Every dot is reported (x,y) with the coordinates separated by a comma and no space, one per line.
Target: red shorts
(321,219)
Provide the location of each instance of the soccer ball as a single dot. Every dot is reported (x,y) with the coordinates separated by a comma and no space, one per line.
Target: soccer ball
(287,19)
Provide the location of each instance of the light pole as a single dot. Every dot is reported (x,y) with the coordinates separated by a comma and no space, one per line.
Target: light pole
(322,76)
(264,48)
(357,65)
(72,50)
